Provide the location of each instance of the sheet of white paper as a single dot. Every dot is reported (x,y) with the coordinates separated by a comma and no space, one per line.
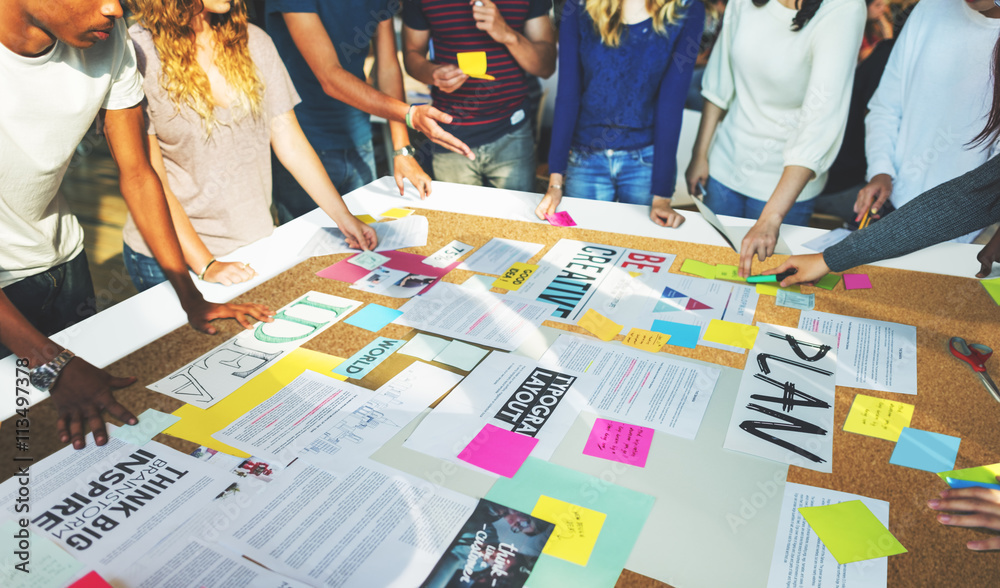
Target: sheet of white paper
(479,282)
(282,426)
(827,240)
(369,525)
(448,254)
(800,560)
(424,347)
(498,255)
(395,404)
(873,355)
(784,408)
(639,388)
(493,320)
(511,392)
(734,234)
(398,234)
(218,373)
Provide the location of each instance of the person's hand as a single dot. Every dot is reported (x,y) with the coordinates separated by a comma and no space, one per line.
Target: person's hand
(809,269)
(989,255)
(661,213)
(760,240)
(358,234)
(873,196)
(406,167)
(201,313)
(489,20)
(447,77)
(82,393)
(228,273)
(425,118)
(975,508)
(550,202)
(697,172)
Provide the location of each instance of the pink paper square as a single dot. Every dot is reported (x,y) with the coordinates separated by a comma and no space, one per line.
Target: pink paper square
(499,451)
(560,219)
(857,282)
(91,580)
(398,260)
(621,442)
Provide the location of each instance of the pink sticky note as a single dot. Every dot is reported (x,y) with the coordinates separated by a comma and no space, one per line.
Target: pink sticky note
(91,580)
(857,282)
(398,260)
(498,451)
(621,442)
(560,219)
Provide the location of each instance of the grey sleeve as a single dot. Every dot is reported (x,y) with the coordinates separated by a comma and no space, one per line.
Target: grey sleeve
(955,208)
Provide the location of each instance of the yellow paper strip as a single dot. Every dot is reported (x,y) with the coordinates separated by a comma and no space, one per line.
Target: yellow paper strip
(515,276)
(646,340)
(772,289)
(473,64)
(727,333)
(599,325)
(397,213)
(878,417)
(698,268)
(576,532)
(728,272)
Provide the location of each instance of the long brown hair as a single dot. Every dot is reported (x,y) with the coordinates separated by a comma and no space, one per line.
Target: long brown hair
(991,132)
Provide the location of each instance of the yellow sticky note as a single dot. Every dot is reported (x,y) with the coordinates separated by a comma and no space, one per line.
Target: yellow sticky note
(365,218)
(635,274)
(878,417)
(727,333)
(397,213)
(772,289)
(576,529)
(646,340)
(986,474)
(197,424)
(515,276)
(851,532)
(698,268)
(728,272)
(473,64)
(599,325)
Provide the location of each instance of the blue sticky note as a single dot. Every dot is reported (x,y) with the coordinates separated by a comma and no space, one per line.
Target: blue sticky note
(373,317)
(151,423)
(924,450)
(956,483)
(358,365)
(681,335)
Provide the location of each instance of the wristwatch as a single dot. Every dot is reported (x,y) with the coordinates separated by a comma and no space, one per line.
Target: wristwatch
(406,150)
(44,376)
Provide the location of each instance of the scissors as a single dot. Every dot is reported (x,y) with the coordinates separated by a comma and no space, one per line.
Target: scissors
(975,355)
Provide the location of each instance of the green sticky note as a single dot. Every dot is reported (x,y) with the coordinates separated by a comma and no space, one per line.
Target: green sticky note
(851,532)
(461,355)
(992,288)
(986,474)
(698,268)
(828,282)
(626,512)
(151,423)
(728,272)
(50,565)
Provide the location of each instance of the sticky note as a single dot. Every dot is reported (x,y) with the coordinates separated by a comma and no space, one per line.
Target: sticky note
(599,325)
(698,268)
(992,288)
(91,580)
(771,289)
(681,335)
(851,532)
(560,219)
(924,450)
(828,282)
(857,282)
(646,340)
(373,317)
(368,260)
(473,64)
(515,276)
(635,274)
(986,474)
(151,423)
(796,300)
(499,451)
(397,213)
(621,442)
(878,417)
(363,362)
(576,529)
(967,484)
(365,218)
(727,333)
(424,347)
(461,355)
(49,564)
(728,272)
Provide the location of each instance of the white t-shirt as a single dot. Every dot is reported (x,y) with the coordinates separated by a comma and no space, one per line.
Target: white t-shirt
(786,93)
(933,98)
(46,107)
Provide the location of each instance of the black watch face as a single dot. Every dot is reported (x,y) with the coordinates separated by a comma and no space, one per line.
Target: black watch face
(42,378)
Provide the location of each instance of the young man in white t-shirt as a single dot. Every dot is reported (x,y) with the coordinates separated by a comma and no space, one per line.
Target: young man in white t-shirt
(62,62)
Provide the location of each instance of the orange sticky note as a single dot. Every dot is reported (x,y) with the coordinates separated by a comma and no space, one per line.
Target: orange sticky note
(365,218)
(473,64)
(599,325)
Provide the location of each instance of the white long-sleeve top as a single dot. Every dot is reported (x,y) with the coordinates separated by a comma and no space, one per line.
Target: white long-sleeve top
(934,97)
(786,93)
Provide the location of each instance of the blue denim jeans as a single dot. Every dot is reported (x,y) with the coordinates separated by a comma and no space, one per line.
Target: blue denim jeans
(143,269)
(724,200)
(349,169)
(612,176)
(507,163)
(56,298)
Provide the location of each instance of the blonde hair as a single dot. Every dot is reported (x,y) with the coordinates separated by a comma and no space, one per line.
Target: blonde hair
(169,22)
(607,17)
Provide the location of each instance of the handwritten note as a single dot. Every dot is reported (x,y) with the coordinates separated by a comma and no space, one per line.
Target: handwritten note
(576,532)
(499,451)
(795,300)
(560,219)
(48,566)
(727,333)
(851,532)
(646,340)
(698,268)
(878,417)
(621,442)
(473,64)
(857,282)
(599,325)
(515,276)
(728,272)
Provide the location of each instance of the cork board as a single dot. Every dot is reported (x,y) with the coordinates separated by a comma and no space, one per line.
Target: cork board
(950,400)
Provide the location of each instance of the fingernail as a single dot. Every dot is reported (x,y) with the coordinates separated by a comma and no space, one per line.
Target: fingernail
(874,210)
(933,503)
(944,518)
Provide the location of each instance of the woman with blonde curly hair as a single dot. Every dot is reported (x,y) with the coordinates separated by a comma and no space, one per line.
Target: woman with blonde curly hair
(624,71)
(217,99)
